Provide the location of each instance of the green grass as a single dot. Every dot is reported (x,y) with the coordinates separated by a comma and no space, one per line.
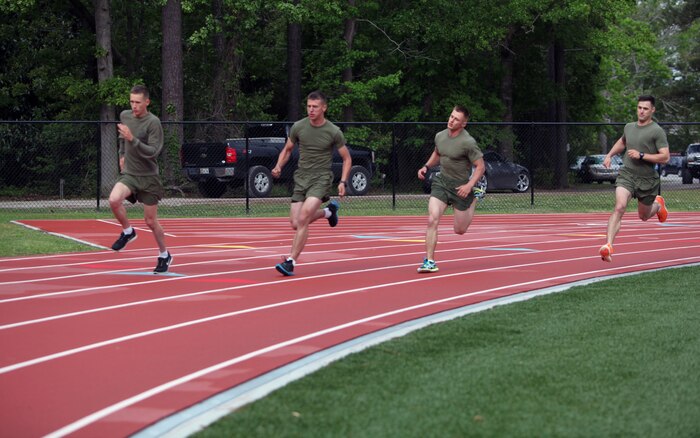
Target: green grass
(616,358)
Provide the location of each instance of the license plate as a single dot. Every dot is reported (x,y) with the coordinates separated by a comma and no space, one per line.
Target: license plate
(204,171)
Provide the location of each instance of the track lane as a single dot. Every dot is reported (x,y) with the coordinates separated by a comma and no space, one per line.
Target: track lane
(465,263)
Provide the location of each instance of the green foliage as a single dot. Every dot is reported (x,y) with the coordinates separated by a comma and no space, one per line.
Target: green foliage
(410,60)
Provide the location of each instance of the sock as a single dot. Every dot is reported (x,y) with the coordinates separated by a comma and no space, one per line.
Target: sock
(164,255)
(294,263)
(128,230)
(327,213)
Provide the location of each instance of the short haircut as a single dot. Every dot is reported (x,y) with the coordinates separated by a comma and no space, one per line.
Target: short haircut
(140,89)
(317,95)
(647,98)
(463,110)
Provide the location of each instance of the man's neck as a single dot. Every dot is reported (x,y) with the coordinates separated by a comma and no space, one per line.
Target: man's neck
(318,122)
(454,133)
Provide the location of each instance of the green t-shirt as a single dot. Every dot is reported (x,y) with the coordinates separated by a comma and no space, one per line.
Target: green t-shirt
(457,154)
(316,144)
(648,139)
(141,154)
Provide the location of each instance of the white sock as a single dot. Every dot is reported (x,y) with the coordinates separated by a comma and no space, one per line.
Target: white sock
(289,259)
(164,255)
(327,213)
(128,230)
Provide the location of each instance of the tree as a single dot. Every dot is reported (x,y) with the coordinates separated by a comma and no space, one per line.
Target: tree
(294,68)
(173,95)
(105,71)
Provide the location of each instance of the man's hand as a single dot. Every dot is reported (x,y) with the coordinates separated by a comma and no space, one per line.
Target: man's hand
(421,172)
(634,154)
(125,132)
(607,161)
(464,190)
(341,190)
(276,172)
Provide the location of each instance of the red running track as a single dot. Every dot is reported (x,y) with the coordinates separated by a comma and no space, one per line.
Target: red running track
(94,344)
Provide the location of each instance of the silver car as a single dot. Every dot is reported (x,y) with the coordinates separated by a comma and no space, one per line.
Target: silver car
(593,170)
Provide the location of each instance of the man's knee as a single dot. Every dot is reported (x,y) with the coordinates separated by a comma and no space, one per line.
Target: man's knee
(461,229)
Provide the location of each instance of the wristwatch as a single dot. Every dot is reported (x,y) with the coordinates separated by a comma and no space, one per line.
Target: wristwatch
(641,155)
(345,183)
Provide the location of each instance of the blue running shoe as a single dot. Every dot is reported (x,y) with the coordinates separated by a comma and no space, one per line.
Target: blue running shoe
(286,268)
(428,266)
(333,206)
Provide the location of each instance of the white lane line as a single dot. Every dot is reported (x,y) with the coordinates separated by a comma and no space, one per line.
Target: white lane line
(97,415)
(42,359)
(364,248)
(64,236)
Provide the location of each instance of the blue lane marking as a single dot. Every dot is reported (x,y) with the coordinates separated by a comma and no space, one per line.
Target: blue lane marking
(151,273)
(511,249)
(675,225)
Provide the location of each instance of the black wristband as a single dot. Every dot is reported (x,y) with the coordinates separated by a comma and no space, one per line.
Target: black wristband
(641,156)
(345,183)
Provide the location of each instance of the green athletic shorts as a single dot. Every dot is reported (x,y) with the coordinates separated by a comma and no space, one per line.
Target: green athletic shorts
(644,189)
(445,190)
(145,189)
(312,184)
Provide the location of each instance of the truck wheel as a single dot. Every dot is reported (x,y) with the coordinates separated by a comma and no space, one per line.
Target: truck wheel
(259,182)
(687,177)
(358,183)
(211,188)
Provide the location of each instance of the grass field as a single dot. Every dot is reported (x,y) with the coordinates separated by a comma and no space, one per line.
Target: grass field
(615,358)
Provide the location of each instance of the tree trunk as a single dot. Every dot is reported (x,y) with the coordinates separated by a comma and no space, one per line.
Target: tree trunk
(558,113)
(347,75)
(294,99)
(561,162)
(173,95)
(226,78)
(109,163)
(505,137)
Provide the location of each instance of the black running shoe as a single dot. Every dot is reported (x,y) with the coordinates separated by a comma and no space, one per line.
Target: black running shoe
(333,206)
(163,264)
(123,240)
(286,268)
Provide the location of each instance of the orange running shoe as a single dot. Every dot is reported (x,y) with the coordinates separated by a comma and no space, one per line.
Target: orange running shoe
(662,214)
(606,252)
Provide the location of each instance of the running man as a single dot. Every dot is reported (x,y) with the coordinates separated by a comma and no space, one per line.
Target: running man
(313,179)
(140,143)
(456,151)
(646,146)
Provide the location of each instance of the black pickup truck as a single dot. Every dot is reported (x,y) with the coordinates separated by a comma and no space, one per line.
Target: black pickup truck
(215,166)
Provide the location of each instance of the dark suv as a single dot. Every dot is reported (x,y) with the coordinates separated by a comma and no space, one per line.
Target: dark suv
(691,163)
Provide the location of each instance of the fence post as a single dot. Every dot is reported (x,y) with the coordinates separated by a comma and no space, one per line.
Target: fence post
(392,157)
(245,171)
(98,183)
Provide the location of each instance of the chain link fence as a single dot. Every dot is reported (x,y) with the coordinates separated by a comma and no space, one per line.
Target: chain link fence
(222,168)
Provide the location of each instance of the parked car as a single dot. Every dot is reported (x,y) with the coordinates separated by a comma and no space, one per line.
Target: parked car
(673,167)
(500,175)
(691,163)
(576,165)
(593,170)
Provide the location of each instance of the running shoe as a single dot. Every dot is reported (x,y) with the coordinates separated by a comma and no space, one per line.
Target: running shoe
(286,268)
(662,214)
(428,266)
(333,206)
(163,264)
(606,252)
(123,240)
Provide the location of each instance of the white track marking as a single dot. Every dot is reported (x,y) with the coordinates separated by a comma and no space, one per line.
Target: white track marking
(98,415)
